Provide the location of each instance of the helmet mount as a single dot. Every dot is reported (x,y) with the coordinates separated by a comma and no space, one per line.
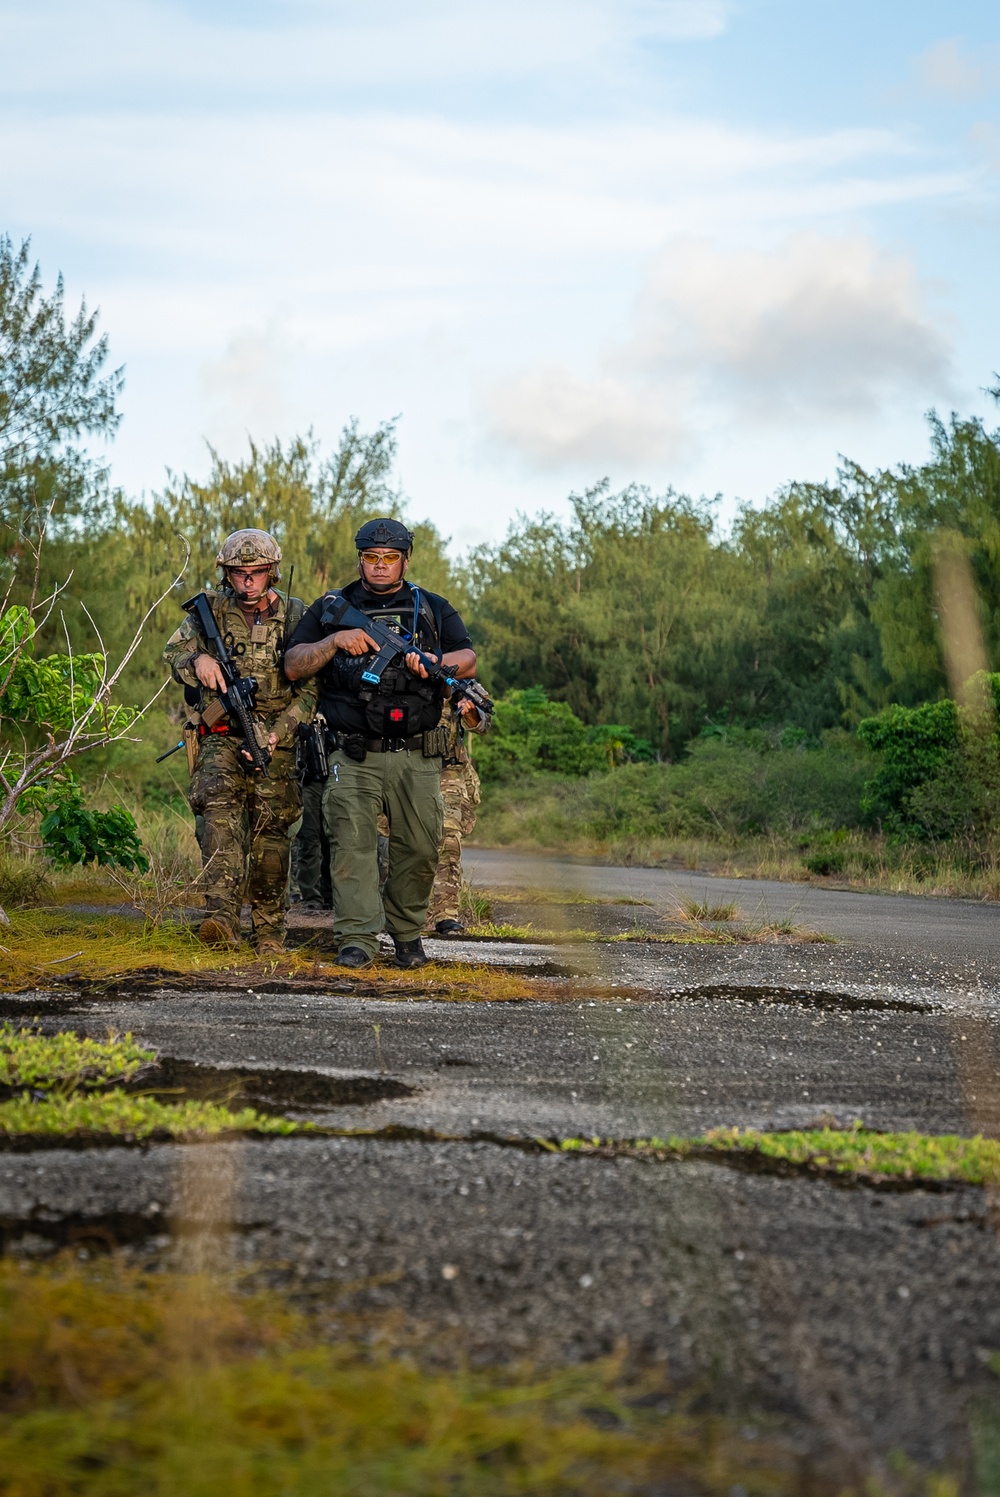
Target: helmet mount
(384,532)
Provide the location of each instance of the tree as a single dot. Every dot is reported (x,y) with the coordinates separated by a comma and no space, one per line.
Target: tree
(313,505)
(56,707)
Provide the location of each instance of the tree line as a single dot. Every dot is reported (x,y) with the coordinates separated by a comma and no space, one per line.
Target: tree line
(812,612)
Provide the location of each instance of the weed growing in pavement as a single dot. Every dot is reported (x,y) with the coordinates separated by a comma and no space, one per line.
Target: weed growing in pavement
(473,905)
(118,1114)
(29,1058)
(853,1151)
(55,1078)
(701,909)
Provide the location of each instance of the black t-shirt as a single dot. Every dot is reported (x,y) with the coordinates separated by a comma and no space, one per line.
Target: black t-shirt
(340,703)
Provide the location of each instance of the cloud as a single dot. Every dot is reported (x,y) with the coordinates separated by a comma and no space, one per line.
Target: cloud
(819,329)
(244,389)
(552,417)
(946,69)
(300,50)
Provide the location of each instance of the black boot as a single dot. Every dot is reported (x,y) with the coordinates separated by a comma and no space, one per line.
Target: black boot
(409,953)
(353,956)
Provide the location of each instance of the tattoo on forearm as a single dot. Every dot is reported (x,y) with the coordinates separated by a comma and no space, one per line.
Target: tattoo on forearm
(306,660)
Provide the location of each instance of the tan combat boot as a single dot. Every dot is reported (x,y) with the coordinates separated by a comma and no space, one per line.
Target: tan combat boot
(215,930)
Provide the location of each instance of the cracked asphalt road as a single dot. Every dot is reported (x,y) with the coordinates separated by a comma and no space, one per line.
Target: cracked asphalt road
(868,1316)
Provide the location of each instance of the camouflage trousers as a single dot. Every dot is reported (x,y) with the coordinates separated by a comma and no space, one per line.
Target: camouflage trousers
(245,846)
(460,793)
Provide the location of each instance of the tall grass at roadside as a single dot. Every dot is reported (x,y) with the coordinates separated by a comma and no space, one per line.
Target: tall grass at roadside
(648,815)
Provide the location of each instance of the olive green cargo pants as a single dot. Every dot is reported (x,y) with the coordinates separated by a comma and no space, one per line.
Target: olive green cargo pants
(408,788)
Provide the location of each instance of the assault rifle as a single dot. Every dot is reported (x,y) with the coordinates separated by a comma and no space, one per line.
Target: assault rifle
(338,613)
(240,695)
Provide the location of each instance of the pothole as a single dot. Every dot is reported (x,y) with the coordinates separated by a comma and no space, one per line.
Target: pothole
(276,1091)
(801,997)
(43,1233)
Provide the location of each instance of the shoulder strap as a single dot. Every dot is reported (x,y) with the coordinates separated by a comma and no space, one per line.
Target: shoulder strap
(431,612)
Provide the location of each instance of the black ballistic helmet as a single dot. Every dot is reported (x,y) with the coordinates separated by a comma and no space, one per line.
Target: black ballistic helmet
(384,533)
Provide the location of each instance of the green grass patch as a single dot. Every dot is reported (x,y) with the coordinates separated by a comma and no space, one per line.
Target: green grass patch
(851,1151)
(32,1059)
(118,1114)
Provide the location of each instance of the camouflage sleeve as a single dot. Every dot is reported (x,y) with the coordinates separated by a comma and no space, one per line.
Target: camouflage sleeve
(299,710)
(181,648)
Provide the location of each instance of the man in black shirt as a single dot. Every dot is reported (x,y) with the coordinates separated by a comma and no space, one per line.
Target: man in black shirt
(385,749)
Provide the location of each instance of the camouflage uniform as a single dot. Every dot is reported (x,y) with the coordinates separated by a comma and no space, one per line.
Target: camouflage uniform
(245,844)
(460,792)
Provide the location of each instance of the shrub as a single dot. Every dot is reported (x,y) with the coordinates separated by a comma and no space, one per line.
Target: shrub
(939,774)
(71,834)
(530,732)
(722,790)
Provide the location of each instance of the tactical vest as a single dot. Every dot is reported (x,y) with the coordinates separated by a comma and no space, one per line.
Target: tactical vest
(402,704)
(259,649)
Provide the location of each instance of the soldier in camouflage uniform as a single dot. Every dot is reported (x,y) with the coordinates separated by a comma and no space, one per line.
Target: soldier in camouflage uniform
(246,816)
(460,793)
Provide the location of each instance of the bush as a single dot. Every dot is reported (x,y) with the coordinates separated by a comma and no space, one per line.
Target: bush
(722,790)
(21,882)
(939,774)
(530,732)
(72,835)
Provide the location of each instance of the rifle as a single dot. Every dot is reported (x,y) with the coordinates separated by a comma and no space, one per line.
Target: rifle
(240,696)
(341,614)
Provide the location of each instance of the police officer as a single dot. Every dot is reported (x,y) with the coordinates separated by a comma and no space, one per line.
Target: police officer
(386,753)
(245,815)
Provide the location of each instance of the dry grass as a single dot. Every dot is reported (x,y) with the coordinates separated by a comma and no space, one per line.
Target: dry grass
(866,861)
(701,909)
(515,894)
(44,945)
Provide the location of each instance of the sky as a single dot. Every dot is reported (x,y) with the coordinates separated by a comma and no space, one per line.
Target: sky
(707,244)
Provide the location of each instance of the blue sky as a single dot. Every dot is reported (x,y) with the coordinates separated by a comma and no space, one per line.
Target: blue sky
(707,243)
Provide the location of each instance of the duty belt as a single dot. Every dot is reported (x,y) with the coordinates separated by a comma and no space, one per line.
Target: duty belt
(393,745)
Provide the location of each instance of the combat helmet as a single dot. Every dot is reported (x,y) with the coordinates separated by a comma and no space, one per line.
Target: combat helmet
(246,548)
(384,532)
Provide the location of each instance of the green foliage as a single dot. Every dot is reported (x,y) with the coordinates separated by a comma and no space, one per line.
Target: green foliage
(52,392)
(530,732)
(117,1114)
(938,770)
(724,789)
(30,1058)
(51,387)
(54,692)
(72,835)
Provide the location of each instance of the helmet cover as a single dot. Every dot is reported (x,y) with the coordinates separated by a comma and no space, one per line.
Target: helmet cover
(246,548)
(384,532)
